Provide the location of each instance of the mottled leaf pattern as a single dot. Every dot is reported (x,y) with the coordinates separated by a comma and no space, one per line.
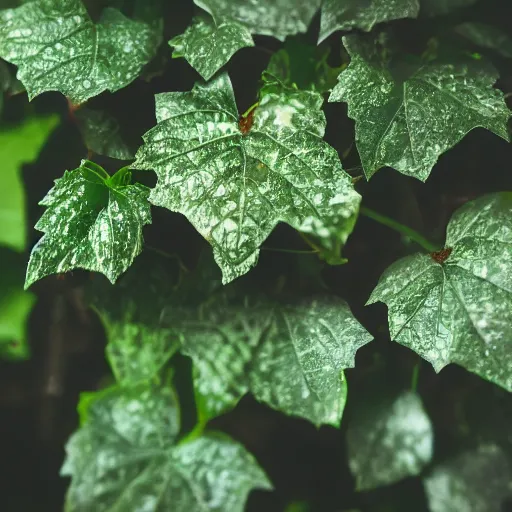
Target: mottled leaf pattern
(92,222)
(458,308)
(487,36)
(290,356)
(408,122)
(235,184)
(363,14)
(18,146)
(479,480)
(389,440)
(207,46)
(277,18)
(124,458)
(57,47)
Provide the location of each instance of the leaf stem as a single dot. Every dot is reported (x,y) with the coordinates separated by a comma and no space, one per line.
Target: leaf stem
(250,109)
(404,230)
(415,376)
(291,251)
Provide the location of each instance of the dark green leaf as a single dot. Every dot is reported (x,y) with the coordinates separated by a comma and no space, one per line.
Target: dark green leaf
(474,481)
(207,46)
(389,440)
(442,7)
(19,145)
(363,14)
(102,134)
(56,46)
(408,122)
(236,182)
(91,222)
(290,356)
(487,36)
(455,306)
(124,458)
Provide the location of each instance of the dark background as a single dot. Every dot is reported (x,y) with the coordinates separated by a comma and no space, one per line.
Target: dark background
(39,397)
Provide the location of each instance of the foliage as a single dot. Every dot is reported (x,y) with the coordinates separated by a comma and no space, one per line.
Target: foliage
(264,245)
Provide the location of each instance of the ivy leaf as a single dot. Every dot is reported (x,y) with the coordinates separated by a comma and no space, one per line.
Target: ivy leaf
(139,343)
(289,356)
(406,118)
(124,457)
(455,306)
(487,36)
(362,14)
(474,481)
(92,221)
(389,440)
(235,182)
(207,46)
(19,145)
(102,134)
(276,18)
(443,7)
(57,47)
(15,306)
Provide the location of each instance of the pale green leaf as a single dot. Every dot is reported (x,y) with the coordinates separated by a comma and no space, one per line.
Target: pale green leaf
(363,14)
(487,36)
(18,145)
(479,480)
(102,134)
(442,7)
(455,306)
(124,458)
(290,356)
(92,222)
(277,18)
(388,440)
(207,45)
(57,47)
(235,182)
(408,115)
(15,306)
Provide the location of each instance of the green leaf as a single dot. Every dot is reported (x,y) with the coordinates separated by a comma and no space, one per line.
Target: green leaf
(207,46)
(125,458)
(474,481)
(57,47)
(91,222)
(277,18)
(19,145)
(102,134)
(363,14)
(455,306)
(235,182)
(389,440)
(139,343)
(487,36)
(304,66)
(15,306)
(290,356)
(408,115)
(443,7)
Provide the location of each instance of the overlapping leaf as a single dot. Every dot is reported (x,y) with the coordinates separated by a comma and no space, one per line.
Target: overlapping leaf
(208,44)
(57,47)
(235,182)
(125,457)
(406,118)
(92,222)
(487,36)
(389,440)
(363,14)
(456,305)
(290,356)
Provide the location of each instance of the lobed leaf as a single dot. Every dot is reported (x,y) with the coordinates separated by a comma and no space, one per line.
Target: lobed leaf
(57,47)
(407,115)
(456,306)
(235,182)
(91,222)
